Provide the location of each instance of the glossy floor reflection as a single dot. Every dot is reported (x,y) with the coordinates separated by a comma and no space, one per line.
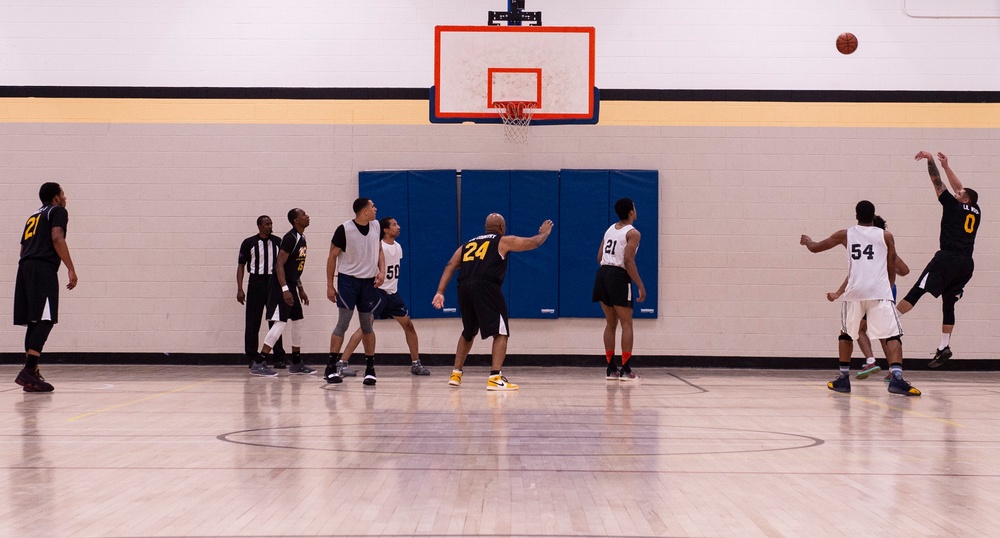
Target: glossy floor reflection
(211,451)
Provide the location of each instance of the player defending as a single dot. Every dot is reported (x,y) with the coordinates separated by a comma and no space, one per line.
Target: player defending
(613,285)
(871,269)
(391,305)
(951,267)
(36,287)
(482,264)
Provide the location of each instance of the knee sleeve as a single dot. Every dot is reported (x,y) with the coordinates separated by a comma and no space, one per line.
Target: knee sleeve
(274,333)
(294,335)
(37,334)
(948,309)
(845,338)
(897,338)
(343,322)
(914,295)
(367,320)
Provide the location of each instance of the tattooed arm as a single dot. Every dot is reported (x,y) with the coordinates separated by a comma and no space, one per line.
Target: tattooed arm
(932,169)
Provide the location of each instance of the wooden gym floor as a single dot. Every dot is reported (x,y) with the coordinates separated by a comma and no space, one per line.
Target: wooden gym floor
(212,451)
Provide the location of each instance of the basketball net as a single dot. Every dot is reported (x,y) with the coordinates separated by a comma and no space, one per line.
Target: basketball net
(516,116)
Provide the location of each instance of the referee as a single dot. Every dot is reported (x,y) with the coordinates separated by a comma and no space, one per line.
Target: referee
(257,254)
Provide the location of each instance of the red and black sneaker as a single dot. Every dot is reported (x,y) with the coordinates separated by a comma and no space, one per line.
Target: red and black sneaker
(32,381)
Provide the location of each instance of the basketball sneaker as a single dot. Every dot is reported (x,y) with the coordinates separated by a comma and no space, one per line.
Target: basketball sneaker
(867,370)
(499,382)
(612,373)
(32,381)
(940,357)
(888,377)
(332,373)
(626,374)
(841,384)
(456,378)
(346,370)
(898,385)
(369,376)
(279,363)
(300,369)
(418,368)
(261,369)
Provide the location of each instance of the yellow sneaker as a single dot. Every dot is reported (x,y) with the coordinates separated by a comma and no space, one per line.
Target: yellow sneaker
(499,382)
(456,378)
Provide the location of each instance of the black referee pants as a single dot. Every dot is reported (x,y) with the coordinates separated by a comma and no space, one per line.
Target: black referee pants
(256,302)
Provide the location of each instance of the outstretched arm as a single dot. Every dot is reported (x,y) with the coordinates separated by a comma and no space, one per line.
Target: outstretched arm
(956,184)
(449,270)
(838,238)
(932,169)
(513,243)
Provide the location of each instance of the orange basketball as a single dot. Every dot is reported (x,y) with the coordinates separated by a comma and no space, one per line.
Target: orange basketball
(847,43)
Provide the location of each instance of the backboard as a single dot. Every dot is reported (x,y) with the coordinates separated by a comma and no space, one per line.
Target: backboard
(477,66)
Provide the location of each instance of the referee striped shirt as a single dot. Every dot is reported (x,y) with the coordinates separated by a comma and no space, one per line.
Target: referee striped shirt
(259,254)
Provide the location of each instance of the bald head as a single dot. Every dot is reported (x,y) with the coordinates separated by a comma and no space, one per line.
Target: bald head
(495,224)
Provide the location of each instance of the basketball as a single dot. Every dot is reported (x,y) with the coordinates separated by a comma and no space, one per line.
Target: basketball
(847,43)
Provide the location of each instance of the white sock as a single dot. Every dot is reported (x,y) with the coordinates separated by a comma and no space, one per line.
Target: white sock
(869,360)
(945,340)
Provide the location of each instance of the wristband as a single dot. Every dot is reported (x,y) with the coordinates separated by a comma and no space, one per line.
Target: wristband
(284,288)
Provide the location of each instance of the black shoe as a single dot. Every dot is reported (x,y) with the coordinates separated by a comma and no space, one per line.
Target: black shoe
(279,363)
(940,357)
(841,384)
(897,385)
(612,374)
(332,374)
(369,376)
(32,381)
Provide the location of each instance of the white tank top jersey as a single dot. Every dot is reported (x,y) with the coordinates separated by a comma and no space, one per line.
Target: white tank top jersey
(393,253)
(360,258)
(614,245)
(867,278)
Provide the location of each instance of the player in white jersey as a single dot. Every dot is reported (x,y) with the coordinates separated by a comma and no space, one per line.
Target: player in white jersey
(392,305)
(871,262)
(613,286)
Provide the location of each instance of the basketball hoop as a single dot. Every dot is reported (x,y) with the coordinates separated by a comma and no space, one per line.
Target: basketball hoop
(515,115)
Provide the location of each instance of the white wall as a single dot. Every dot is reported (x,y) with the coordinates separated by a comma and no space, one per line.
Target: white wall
(728,44)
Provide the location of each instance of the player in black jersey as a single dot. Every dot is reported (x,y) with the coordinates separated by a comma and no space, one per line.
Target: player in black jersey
(36,289)
(482,264)
(286,296)
(951,267)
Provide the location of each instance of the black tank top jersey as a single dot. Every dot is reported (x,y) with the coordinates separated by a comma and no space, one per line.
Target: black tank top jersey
(481,259)
(36,241)
(295,245)
(959,224)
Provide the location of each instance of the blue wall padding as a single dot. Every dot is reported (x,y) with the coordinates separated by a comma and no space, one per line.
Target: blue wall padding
(583,218)
(533,274)
(433,223)
(642,186)
(389,192)
(484,192)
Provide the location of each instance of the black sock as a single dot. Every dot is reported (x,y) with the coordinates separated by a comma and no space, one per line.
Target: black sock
(296,357)
(494,372)
(30,362)
(370,362)
(334,357)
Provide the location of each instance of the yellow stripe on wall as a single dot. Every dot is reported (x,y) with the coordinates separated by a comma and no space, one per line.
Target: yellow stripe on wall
(415,112)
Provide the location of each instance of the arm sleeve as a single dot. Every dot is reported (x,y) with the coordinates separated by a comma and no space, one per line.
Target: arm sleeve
(340,238)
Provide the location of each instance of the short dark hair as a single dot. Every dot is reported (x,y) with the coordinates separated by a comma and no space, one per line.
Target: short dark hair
(260,219)
(879,222)
(360,204)
(293,213)
(623,207)
(48,191)
(383,223)
(865,211)
(973,196)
